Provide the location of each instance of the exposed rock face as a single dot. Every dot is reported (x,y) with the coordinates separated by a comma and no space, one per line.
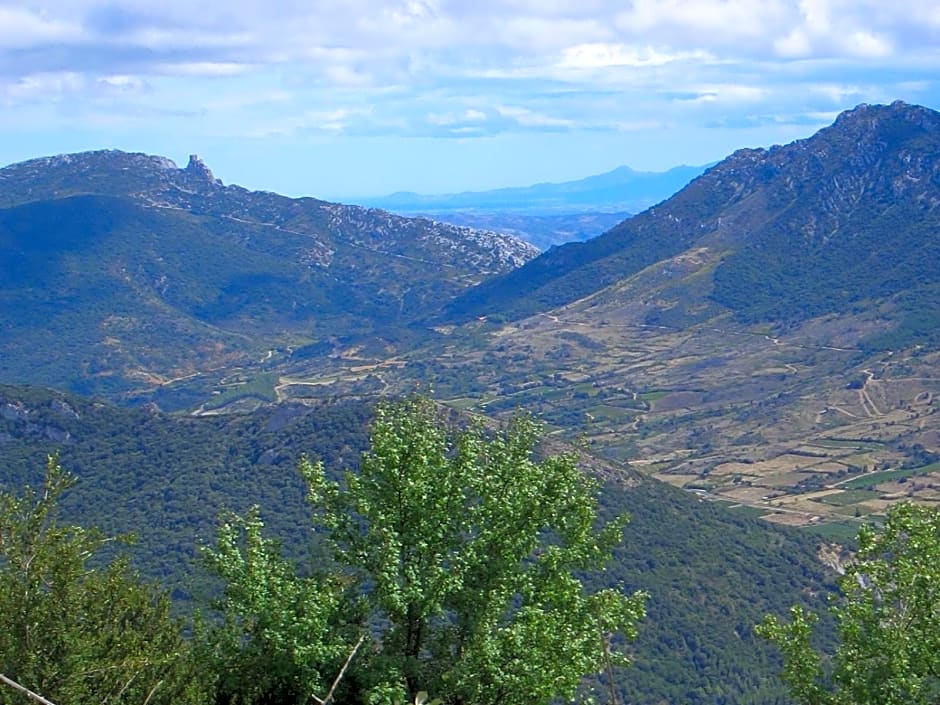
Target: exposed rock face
(197,170)
(198,167)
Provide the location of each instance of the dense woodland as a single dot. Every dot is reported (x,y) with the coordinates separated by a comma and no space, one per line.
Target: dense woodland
(710,574)
(460,560)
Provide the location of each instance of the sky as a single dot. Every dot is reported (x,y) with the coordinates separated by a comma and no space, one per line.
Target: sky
(345,98)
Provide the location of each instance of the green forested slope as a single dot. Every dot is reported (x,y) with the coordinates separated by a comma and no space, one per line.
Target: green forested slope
(711,574)
(167,478)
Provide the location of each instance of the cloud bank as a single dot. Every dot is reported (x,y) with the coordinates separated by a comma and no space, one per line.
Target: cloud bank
(458,69)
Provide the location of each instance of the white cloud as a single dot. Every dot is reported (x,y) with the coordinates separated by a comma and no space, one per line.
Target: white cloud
(587,56)
(530,118)
(726,93)
(794,45)
(712,19)
(22,28)
(122,82)
(46,86)
(203,69)
(837,93)
(436,67)
(868,44)
(448,119)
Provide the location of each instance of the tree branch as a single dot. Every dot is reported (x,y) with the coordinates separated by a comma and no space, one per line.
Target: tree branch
(339,676)
(26,691)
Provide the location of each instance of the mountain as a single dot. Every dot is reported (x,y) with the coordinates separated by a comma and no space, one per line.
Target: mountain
(621,189)
(764,339)
(768,337)
(122,271)
(711,573)
(548,214)
(844,219)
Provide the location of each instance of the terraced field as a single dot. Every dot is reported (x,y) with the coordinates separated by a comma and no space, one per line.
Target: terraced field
(803,428)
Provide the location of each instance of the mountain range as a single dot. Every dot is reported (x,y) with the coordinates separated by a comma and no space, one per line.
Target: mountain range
(766,339)
(844,219)
(548,214)
(619,190)
(768,336)
(785,294)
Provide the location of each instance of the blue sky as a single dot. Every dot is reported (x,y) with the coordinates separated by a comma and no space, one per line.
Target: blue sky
(345,98)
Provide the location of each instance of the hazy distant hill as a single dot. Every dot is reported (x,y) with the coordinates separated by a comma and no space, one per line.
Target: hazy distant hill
(548,214)
(846,218)
(121,271)
(621,189)
(543,231)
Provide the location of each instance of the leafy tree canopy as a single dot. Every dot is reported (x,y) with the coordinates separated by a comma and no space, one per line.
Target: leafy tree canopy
(888,621)
(73,634)
(470,551)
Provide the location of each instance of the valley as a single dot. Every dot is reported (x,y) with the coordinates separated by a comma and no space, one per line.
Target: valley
(750,366)
(790,426)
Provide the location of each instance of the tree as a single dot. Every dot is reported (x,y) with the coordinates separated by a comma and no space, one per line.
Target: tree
(76,634)
(888,619)
(470,552)
(281,637)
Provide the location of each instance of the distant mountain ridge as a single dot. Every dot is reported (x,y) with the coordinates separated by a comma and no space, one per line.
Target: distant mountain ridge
(847,216)
(621,189)
(157,181)
(138,272)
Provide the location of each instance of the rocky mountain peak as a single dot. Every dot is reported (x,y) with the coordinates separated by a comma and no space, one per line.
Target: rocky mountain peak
(869,147)
(856,203)
(198,169)
(875,117)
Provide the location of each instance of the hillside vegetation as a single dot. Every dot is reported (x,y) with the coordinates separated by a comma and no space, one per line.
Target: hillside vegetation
(138,273)
(711,574)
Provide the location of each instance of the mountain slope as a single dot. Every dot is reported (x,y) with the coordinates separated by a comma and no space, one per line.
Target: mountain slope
(769,336)
(711,573)
(818,226)
(121,271)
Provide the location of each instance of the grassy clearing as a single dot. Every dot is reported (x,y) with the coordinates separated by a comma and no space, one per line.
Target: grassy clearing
(859,510)
(849,497)
(866,445)
(465,403)
(654,395)
(260,387)
(843,532)
(604,412)
(748,510)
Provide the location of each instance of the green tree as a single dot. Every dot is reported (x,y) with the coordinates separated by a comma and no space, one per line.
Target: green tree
(888,619)
(280,637)
(470,552)
(76,634)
